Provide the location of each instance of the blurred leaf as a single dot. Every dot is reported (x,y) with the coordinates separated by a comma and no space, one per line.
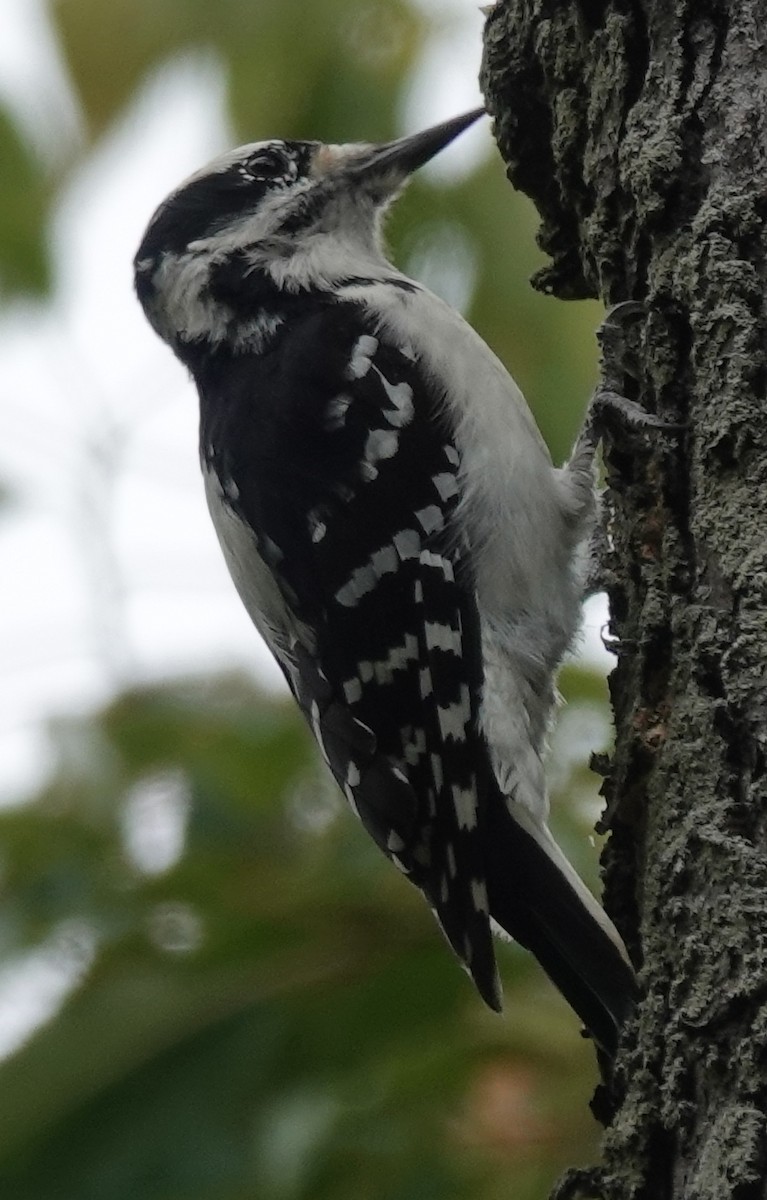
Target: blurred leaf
(109,48)
(24,198)
(331,69)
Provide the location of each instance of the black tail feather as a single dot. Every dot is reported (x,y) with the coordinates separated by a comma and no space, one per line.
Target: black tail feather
(533,900)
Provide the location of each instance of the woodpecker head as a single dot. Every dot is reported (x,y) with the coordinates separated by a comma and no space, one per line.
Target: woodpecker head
(301,211)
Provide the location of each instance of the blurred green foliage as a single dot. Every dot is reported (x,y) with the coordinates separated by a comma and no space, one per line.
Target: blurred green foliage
(24,198)
(274,1015)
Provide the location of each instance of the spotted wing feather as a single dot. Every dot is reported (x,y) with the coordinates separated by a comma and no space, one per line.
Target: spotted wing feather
(351,492)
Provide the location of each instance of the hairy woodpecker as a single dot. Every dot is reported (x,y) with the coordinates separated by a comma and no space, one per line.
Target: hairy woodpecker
(395,528)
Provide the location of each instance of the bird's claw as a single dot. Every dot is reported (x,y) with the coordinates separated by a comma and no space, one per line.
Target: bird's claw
(610,411)
(617,357)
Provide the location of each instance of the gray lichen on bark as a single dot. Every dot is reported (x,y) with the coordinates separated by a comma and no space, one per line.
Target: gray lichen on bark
(640,131)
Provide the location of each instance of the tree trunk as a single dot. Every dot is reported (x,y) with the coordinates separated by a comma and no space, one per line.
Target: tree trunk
(638,127)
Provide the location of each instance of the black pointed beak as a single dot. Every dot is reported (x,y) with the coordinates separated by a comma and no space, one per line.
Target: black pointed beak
(408,153)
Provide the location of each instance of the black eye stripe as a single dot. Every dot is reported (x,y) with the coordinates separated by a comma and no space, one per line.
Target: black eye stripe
(209,201)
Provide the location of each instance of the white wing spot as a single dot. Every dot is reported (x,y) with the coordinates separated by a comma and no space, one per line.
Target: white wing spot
(446,484)
(352,775)
(442,637)
(401,396)
(362,353)
(398,419)
(385,561)
(412,757)
(407,544)
(452,455)
(465,805)
(425,682)
(383,670)
(362,581)
(414,743)
(430,518)
(479,895)
(365,671)
(394,843)
(453,718)
(317,527)
(352,691)
(381,443)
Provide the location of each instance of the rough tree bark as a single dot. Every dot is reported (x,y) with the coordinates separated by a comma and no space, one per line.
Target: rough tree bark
(639,128)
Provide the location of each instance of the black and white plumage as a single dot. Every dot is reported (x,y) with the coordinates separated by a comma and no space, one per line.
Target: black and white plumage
(395,528)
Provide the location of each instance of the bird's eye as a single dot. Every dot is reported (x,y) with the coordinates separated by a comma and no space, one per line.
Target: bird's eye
(267,164)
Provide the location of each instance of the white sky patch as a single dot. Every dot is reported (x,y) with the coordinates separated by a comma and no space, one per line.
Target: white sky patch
(33,986)
(27,757)
(591,647)
(444,260)
(154,821)
(446,84)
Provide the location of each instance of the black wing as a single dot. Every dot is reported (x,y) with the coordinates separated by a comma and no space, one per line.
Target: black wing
(334,447)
